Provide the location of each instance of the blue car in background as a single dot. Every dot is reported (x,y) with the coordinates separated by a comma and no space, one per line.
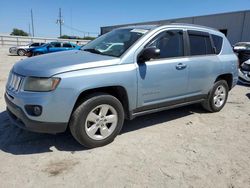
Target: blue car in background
(52,47)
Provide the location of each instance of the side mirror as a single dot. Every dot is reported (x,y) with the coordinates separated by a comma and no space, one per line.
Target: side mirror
(148,53)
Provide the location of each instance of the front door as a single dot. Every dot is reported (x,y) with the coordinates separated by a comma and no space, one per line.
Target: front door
(164,80)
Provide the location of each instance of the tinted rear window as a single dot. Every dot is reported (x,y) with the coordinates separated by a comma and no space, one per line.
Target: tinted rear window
(67,45)
(55,44)
(200,45)
(217,43)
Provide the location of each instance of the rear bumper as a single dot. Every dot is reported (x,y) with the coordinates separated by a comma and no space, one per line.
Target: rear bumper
(244,76)
(19,118)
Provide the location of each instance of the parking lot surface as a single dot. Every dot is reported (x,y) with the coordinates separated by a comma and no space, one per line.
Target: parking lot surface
(184,147)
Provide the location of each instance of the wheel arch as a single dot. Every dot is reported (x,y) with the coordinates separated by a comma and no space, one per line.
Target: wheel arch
(227,77)
(117,91)
(21,49)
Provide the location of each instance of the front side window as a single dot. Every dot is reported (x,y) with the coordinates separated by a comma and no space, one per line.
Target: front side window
(114,43)
(200,44)
(170,43)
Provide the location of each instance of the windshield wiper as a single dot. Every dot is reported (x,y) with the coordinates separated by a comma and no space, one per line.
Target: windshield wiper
(92,50)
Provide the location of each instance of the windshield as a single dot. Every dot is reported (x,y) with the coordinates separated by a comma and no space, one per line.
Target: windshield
(114,43)
(46,44)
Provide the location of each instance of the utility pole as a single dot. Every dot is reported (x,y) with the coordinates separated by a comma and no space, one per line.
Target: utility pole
(29,30)
(60,21)
(32,23)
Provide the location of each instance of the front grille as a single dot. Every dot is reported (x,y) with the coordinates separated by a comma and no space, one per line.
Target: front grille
(14,82)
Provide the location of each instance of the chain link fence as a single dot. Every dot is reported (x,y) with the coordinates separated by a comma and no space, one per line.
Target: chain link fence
(6,40)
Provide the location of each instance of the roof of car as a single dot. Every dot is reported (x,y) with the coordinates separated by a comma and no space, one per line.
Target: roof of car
(150,27)
(147,27)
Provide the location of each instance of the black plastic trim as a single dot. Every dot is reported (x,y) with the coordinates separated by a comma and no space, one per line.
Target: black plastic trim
(167,105)
(199,33)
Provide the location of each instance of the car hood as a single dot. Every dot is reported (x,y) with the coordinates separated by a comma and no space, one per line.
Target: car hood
(18,47)
(24,47)
(50,64)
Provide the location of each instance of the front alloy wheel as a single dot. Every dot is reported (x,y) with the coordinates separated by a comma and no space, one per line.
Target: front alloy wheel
(97,120)
(101,122)
(21,52)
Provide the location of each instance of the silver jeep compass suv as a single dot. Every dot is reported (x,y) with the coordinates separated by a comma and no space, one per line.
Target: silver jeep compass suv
(125,73)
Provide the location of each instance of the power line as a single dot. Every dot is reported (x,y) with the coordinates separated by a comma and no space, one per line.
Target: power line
(60,21)
(80,31)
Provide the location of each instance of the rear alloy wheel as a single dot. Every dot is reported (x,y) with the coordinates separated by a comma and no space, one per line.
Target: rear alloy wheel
(97,121)
(21,52)
(217,97)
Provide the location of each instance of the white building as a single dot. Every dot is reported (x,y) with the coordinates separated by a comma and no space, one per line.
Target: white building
(235,25)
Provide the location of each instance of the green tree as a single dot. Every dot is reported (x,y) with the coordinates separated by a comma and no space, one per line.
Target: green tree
(76,37)
(18,32)
(64,37)
(89,38)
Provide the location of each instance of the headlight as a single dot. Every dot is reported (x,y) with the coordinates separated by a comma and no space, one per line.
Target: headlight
(40,84)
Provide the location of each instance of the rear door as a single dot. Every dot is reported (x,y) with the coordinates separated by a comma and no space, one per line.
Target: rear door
(203,63)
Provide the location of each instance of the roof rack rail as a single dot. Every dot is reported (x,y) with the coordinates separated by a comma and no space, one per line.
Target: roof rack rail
(191,25)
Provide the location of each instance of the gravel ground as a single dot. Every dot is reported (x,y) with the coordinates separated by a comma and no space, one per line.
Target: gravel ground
(184,147)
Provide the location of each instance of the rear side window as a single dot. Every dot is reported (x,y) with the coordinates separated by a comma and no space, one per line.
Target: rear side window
(55,44)
(170,43)
(35,44)
(67,45)
(217,43)
(200,43)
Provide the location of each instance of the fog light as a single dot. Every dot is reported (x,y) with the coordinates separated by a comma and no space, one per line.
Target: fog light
(37,110)
(33,110)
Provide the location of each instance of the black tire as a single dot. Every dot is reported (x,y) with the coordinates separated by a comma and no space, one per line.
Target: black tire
(21,52)
(29,54)
(209,104)
(79,117)
(37,53)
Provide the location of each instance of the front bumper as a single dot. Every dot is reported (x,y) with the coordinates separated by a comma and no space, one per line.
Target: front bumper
(19,118)
(29,53)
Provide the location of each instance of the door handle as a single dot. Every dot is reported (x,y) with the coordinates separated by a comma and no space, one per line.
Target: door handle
(180,66)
